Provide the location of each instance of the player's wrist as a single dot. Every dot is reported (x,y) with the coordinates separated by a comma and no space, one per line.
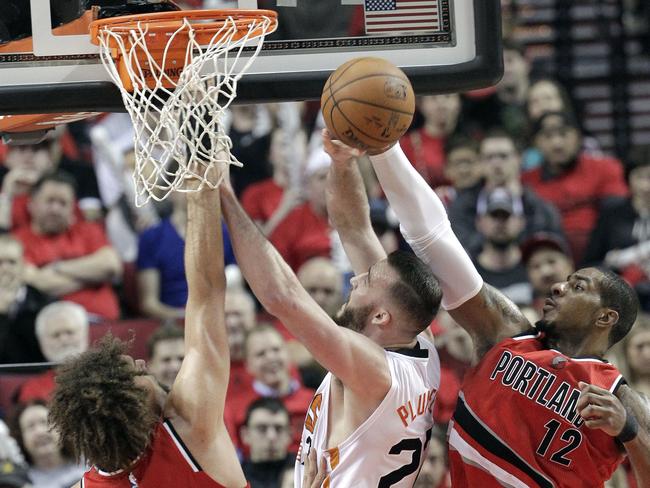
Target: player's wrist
(630,429)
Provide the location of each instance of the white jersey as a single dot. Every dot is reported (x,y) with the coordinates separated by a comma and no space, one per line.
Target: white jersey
(388,449)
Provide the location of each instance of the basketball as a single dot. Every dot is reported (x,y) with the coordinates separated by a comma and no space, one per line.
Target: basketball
(368,103)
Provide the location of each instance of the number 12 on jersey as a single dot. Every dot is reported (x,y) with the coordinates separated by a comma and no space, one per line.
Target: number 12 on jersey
(572,438)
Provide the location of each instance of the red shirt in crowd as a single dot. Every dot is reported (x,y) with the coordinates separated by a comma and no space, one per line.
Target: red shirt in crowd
(427,155)
(20,211)
(261,199)
(578,193)
(81,239)
(297,402)
(301,236)
(38,388)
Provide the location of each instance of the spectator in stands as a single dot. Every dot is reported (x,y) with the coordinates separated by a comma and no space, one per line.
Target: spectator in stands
(462,168)
(250,133)
(455,348)
(62,332)
(548,95)
(621,238)
(240,320)
(13,469)
(500,160)
(24,165)
(500,220)
(324,282)
(162,287)
(636,348)
(166,347)
(113,157)
(504,105)
(267,360)
(50,465)
(435,469)
(269,201)
(576,182)
(425,146)
(548,261)
(267,435)
(72,259)
(305,232)
(19,305)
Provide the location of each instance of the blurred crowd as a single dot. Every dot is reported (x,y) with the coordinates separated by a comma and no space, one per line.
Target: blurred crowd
(529,192)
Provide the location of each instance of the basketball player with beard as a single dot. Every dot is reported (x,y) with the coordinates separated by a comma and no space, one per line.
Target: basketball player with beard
(540,407)
(370,420)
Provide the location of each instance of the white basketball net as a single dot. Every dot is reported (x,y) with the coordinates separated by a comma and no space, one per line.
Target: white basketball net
(178,131)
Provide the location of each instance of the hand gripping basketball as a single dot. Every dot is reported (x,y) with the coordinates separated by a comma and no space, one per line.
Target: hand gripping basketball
(368,103)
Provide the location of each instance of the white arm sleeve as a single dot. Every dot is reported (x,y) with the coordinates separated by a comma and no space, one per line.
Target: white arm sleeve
(426,227)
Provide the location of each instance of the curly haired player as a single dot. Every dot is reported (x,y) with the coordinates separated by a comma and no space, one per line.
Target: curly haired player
(123,423)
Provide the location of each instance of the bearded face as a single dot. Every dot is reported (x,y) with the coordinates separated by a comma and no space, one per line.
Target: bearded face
(353,318)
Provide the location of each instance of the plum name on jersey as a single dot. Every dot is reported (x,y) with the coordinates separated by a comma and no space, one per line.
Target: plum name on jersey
(538,385)
(415,407)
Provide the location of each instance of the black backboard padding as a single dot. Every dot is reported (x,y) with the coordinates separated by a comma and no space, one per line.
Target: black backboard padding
(485,70)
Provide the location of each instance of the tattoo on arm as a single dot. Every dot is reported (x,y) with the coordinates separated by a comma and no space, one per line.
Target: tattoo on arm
(637,403)
(507,312)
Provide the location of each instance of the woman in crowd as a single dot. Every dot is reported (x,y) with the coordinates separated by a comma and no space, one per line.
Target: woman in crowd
(50,465)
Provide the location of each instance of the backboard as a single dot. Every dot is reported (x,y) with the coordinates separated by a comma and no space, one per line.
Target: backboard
(49,65)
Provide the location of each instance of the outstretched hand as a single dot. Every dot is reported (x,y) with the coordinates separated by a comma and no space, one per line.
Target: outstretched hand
(601,409)
(339,151)
(342,153)
(313,475)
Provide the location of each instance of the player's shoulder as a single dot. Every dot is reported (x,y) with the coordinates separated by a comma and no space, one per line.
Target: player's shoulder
(527,340)
(416,364)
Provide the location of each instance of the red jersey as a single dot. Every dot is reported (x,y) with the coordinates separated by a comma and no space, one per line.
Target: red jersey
(516,422)
(166,464)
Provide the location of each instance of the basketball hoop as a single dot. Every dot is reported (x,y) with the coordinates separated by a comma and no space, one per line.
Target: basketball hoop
(177,73)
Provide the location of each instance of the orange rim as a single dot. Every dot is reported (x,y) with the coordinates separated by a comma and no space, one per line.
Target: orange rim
(205,23)
(159,27)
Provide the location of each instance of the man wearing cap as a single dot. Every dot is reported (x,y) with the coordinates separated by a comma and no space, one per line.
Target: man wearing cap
(500,163)
(547,258)
(576,182)
(500,221)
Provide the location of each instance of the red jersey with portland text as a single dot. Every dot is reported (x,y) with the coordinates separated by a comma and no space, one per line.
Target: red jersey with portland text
(516,423)
(166,464)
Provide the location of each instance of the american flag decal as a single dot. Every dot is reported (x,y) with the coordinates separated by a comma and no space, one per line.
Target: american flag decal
(401,16)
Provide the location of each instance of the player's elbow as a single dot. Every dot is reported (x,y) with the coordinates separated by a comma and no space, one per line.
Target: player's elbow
(282,302)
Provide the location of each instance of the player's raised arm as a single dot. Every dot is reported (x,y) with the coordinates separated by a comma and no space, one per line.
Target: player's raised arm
(201,383)
(482,310)
(348,209)
(339,350)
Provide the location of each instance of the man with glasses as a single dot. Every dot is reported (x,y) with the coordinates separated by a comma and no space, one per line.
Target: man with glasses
(267,434)
(500,161)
